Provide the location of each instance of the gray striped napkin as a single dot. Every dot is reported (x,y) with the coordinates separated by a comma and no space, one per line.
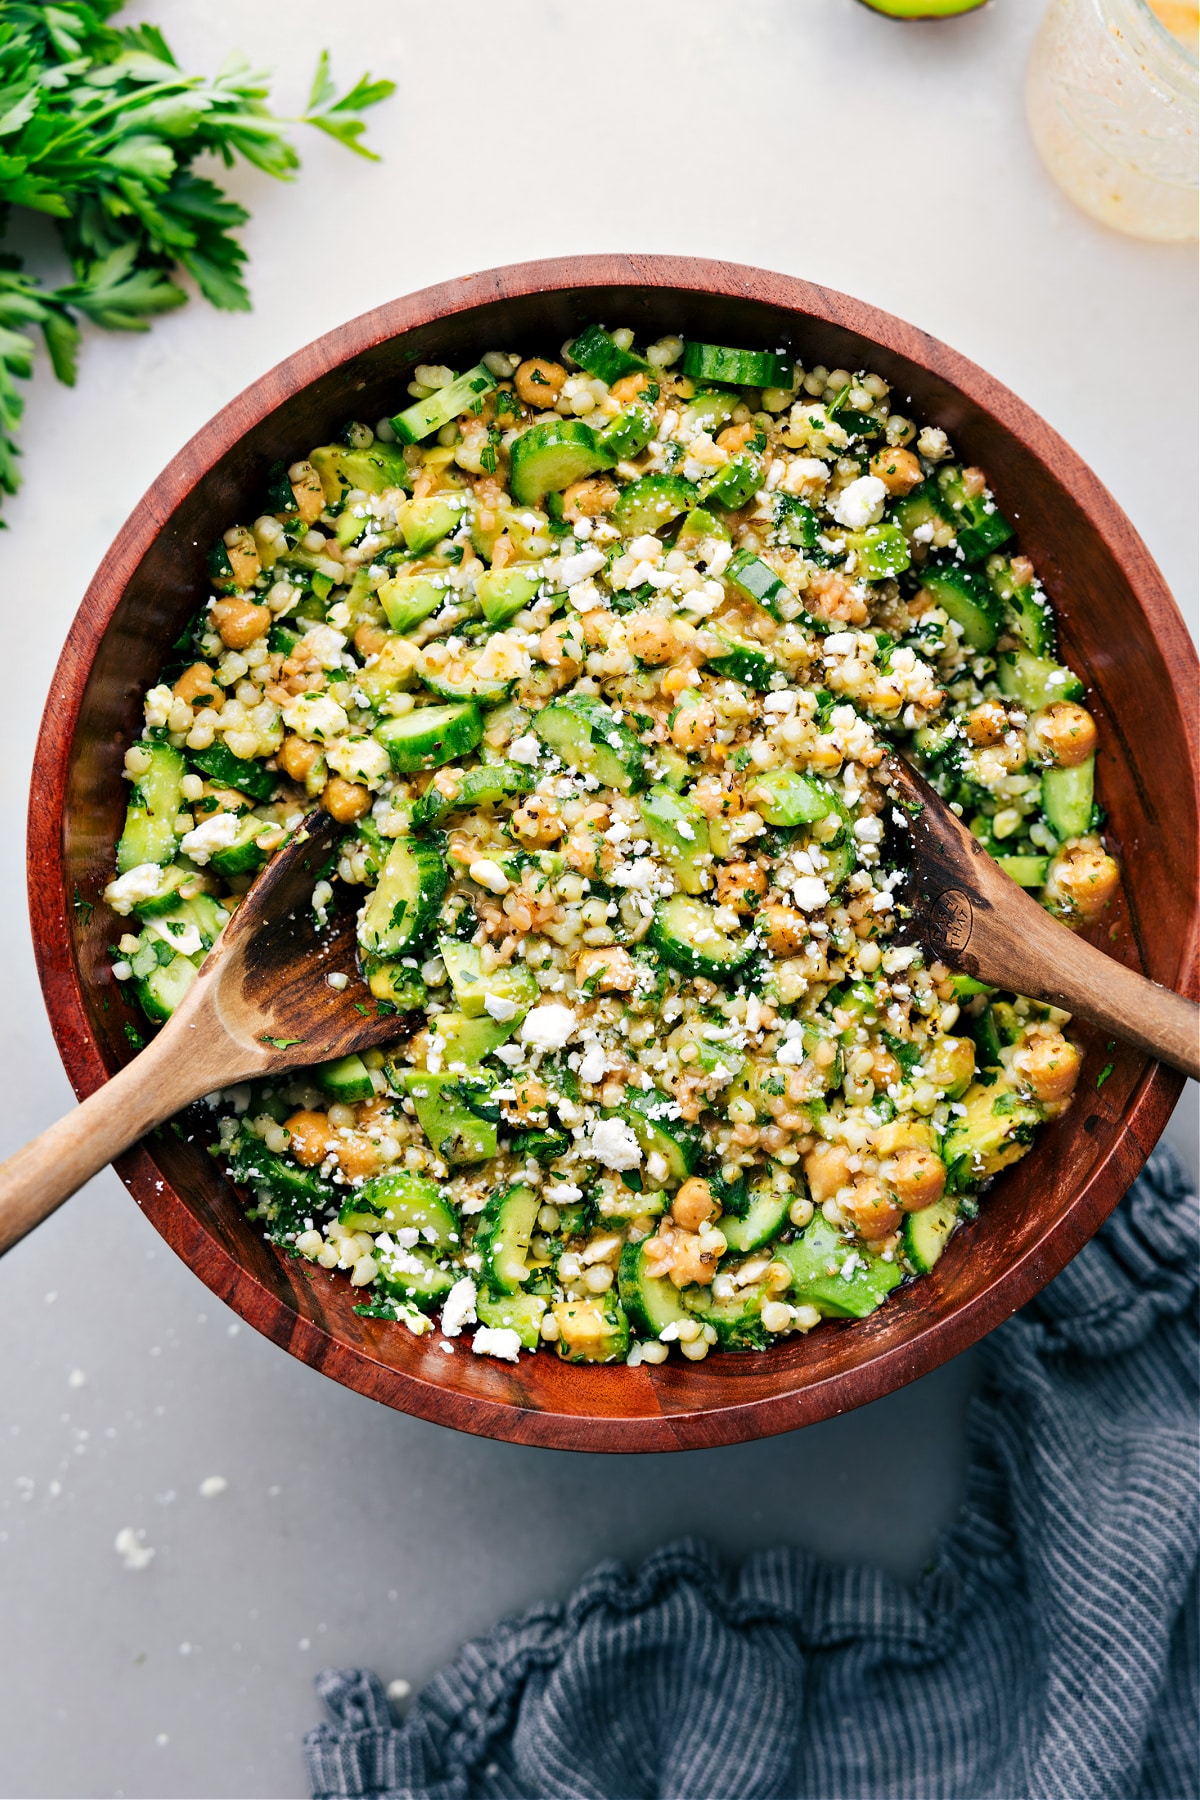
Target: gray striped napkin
(1050,1653)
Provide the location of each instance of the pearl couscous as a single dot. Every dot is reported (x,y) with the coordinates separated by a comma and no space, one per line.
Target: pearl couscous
(597,656)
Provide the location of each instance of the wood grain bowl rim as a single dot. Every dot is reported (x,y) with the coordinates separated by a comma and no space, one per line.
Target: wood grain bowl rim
(1151,1101)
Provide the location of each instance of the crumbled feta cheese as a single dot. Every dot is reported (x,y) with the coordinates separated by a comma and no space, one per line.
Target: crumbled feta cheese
(489,875)
(359,759)
(548,1027)
(593,1064)
(612,1143)
(316,716)
(133,1553)
(324,645)
(565,1194)
(860,503)
(137,884)
(459,1307)
(810,893)
(498,1341)
(498,1008)
(525,750)
(209,836)
(572,569)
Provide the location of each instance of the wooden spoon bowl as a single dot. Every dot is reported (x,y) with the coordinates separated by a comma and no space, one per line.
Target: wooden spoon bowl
(1119,629)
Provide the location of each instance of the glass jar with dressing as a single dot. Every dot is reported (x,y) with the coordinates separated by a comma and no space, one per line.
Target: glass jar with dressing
(1111,95)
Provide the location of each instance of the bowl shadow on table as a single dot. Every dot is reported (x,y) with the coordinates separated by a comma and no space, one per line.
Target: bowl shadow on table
(1039,1213)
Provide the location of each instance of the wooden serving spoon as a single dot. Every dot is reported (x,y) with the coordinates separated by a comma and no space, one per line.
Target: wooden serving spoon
(261,1003)
(972,915)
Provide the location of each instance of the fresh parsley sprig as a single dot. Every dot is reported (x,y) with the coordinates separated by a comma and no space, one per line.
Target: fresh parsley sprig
(99,130)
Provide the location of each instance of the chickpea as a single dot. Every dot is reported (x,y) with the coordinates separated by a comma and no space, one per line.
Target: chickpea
(198,687)
(694,726)
(986,724)
(529,1101)
(344,800)
(694,1256)
(561,645)
(651,639)
(536,821)
(590,498)
(735,437)
(1063,731)
(832,597)
(916,1177)
(629,387)
(298,758)
(1050,1065)
(740,885)
(717,797)
(311,1137)
(899,470)
(240,622)
(870,1211)
(784,930)
(242,552)
(694,1204)
(827,1168)
(606,971)
(539,383)
(369,639)
(1083,879)
(357,1156)
(307,491)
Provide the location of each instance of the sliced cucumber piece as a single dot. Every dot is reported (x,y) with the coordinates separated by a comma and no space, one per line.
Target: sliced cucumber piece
(549,457)
(167,897)
(154,804)
(923,506)
(160,991)
(764,1219)
(592,1330)
(543,1146)
(224,769)
(458,681)
(373,470)
(655,1121)
(586,735)
(699,528)
(522,1313)
(651,1302)
(595,351)
(1036,681)
(1027,609)
(966,597)
(426,522)
(738,368)
(458,789)
(796,522)
(680,830)
(879,552)
(925,1234)
(430,736)
(842,1281)
(243,856)
(979,526)
(347,1080)
(756,580)
(709,410)
(628,434)
(685,934)
(407,599)
(737,1322)
(1068,796)
(437,409)
(1026,871)
(414,1275)
(515,984)
(742,659)
(456,1112)
(651,502)
(404,904)
(785,797)
(735,484)
(403,1200)
(277,1181)
(502,1237)
(503,593)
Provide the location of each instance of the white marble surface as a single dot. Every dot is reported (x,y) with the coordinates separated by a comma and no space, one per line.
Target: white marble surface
(804,135)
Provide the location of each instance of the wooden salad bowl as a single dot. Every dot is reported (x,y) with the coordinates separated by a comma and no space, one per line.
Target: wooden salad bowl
(1120,630)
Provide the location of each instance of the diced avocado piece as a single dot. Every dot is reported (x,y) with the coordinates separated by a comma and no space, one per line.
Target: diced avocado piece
(503,593)
(393,985)
(408,599)
(1034,680)
(675,824)
(592,1330)
(522,1313)
(426,522)
(514,985)
(346,1080)
(587,736)
(155,802)
(437,409)
(995,1128)
(841,1281)
(502,1237)
(785,797)
(468,1041)
(373,470)
(456,1113)
(651,502)
(1026,871)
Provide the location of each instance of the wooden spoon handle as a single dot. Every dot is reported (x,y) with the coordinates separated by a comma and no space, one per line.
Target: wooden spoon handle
(39,1177)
